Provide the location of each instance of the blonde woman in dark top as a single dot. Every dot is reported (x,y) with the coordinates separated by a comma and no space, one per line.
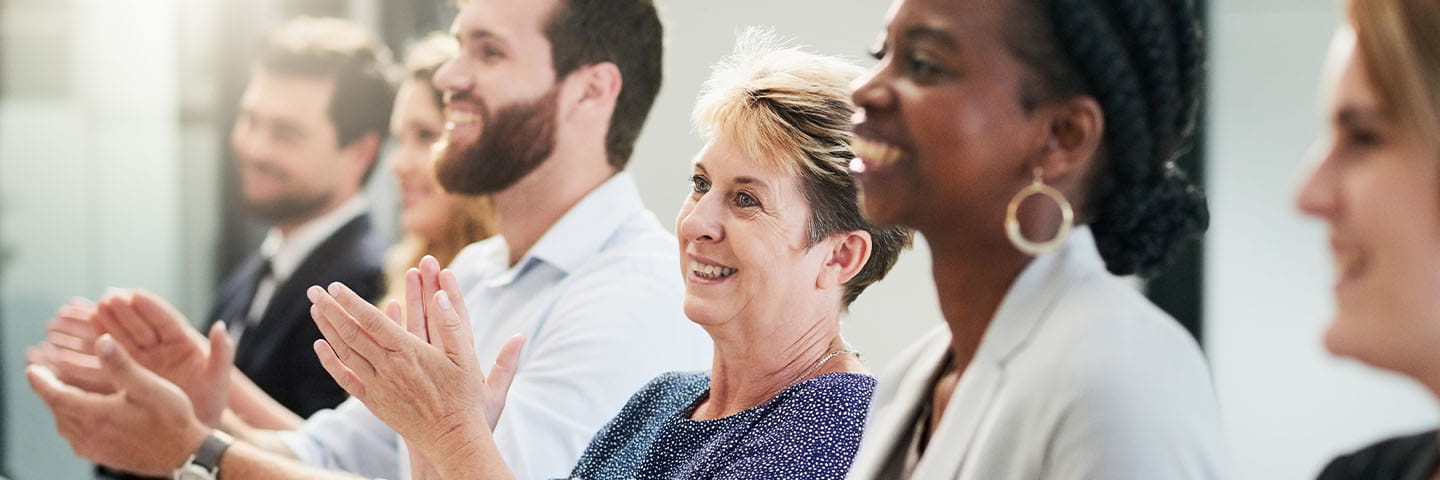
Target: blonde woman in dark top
(1376,185)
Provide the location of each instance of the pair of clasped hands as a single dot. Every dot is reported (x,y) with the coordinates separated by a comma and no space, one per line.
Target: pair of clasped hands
(414,367)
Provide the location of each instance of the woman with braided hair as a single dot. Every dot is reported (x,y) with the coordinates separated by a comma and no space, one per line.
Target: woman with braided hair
(1032,143)
(1376,184)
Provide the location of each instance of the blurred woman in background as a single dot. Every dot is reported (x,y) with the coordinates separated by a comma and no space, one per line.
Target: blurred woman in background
(435,222)
(1377,187)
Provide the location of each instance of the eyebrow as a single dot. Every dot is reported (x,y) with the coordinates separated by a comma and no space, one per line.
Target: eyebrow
(476,34)
(751,181)
(1352,114)
(743,180)
(921,33)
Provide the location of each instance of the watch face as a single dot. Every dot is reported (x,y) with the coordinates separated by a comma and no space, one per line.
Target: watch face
(193,472)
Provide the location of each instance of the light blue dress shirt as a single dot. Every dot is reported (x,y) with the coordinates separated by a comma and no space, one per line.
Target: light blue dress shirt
(599,300)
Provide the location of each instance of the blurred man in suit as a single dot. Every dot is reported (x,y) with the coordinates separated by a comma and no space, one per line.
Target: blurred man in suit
(309,130)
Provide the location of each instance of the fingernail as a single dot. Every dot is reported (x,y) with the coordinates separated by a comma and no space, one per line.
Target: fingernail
(105,345)
(443,300)
(313,293)
(335,288)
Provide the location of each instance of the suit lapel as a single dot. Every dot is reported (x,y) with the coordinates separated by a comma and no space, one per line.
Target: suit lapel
(288,304)
(235,295)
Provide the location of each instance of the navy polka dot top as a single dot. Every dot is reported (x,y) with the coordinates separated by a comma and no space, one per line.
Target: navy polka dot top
(809,431)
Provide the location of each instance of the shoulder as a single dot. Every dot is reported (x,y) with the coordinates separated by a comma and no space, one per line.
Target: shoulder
(812,430)
(639,247)
(839,392)
(828,410)
(1103,337)
(665,394)
(1409,456)
(355,249)
(1108,372)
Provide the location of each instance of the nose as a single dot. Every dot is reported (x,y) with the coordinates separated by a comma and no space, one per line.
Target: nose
(1318,195)
(453,77)
(871,92)
(400,162)
(247,141)
(700,221)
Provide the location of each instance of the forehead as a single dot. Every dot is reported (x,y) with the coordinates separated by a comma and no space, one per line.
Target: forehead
(519,23)
(292,97)
(946,20)
(1348,83)
(415,102)
(724,159)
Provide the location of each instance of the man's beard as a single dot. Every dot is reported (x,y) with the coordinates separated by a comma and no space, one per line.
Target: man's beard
(514,141)
(292,207)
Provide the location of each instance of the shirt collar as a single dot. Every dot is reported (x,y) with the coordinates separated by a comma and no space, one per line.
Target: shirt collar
(584,229)
(1035,292)
(286,253)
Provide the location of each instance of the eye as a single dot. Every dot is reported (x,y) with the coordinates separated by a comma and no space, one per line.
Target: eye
(1364,138)
(922,69)
(427,135)
(491,53)
(746,200)
(700,185)
(878,52)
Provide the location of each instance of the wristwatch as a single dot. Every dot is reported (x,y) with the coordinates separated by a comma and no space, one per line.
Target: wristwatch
(204,464)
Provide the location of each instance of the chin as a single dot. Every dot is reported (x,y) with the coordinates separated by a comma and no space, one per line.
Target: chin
(699,313)
(880,210)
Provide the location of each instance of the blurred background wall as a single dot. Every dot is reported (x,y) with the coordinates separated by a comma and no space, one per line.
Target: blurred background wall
(115,172)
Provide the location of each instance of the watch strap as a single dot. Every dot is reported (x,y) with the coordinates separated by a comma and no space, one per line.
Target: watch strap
(212,449)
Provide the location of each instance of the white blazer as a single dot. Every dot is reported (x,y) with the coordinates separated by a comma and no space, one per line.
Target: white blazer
(1077,377)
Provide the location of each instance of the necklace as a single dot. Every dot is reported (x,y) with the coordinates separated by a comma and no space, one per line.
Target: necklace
(822,361)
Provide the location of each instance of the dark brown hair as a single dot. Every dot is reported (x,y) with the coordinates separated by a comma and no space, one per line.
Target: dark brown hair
(339,49)
(627,33)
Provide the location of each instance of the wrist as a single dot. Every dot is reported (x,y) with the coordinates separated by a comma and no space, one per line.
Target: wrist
(203,463)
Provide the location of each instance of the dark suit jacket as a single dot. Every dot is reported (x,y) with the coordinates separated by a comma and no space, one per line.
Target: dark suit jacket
(276,353)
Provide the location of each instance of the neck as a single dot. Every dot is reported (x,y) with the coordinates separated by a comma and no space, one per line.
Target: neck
(971,286)
(755,360)
(289,227)
(528,209)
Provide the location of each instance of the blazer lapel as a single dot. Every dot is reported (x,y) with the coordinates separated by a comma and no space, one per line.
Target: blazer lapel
(235,295)
(288,304)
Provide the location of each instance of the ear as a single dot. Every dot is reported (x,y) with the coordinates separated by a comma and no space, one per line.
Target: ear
(1074,131)
(593,92)
(362,152)
(848,253)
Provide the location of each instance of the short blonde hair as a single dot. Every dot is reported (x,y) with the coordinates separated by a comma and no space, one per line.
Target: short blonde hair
(790,110)
(780,105)
(1399,42)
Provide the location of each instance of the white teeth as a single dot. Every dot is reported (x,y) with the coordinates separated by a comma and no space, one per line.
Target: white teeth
(455,117)
(710,271)
(875,153)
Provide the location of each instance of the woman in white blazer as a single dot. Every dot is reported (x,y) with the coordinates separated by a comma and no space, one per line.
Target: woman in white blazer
(1032,143)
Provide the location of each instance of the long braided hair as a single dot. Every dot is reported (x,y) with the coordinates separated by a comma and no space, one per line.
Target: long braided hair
(1142,61)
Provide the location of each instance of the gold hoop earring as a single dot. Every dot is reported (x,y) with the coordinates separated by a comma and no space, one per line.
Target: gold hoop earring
(1012,218)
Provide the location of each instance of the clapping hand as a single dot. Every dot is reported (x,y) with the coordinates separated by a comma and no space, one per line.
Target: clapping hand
(108,428)
(415,367)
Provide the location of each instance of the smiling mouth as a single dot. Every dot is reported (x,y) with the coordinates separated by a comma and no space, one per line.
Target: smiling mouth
(457,118)
(1347,265)
(874,153)
(711,272)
